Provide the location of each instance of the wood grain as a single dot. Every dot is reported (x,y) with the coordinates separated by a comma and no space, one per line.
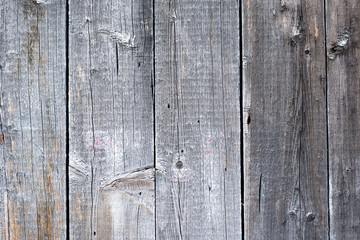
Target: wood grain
(111,117)
(197,91)
(168,132)
(343,47)
(284,99)
(32,120)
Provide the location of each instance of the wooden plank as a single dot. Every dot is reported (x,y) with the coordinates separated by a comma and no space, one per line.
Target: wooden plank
(32,120)
(343,45)
(285,146)
(198,177)
(111,119)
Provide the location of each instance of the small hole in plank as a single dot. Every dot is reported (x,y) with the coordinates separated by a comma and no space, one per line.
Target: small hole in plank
(292,214)
(248,120)
(179,164)
(310,217)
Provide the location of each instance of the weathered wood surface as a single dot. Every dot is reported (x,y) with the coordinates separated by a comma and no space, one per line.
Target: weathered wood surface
(32,120)
(343,46)
(197,81)
(111,120)
(284,120)
(170,137)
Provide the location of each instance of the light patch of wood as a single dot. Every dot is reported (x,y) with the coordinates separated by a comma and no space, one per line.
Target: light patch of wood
(125,201)
(316,28)
(10,104)
(179,88)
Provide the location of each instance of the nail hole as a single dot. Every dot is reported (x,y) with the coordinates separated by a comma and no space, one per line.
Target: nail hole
(179,164)
(310,217)
(307,51)
(169,105)
(292,214)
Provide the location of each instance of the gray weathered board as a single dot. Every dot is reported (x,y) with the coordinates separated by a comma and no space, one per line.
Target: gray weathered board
(197,119)
(32,120)
(343,68)
(284,120)
(179,119)
(111,120)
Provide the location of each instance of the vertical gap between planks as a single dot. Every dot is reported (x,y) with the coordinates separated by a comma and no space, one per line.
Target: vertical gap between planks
(327,119)
(67,119)
(154,113)
(242,171)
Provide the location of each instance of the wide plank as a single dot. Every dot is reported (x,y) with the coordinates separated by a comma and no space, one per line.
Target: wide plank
(197,118)
(32,119)
(111,120)
(284,120)
(343,67)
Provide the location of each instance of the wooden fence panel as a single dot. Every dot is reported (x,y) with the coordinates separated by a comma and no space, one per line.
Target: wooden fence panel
(167,136)
(111,120)
(197,92)
(285,142)
(32,120)
(343,45)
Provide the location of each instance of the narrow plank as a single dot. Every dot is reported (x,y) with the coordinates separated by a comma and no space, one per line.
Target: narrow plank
(285,146)
(197,86)
(32,120)
(111,119)
(343,45)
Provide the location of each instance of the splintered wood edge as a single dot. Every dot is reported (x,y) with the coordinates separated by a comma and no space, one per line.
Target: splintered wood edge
(141,178)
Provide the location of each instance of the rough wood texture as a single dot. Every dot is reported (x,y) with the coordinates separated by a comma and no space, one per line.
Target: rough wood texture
(284,120)
(111,118)
(198,192)
(32,120)
(298,94)
(130,195)
(343,45)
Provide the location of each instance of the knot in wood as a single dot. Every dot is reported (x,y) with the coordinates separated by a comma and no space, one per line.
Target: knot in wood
(292,214)
(179,164)
(310,217)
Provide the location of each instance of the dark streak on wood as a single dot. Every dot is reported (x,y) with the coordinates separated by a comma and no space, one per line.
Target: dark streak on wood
(260,186)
